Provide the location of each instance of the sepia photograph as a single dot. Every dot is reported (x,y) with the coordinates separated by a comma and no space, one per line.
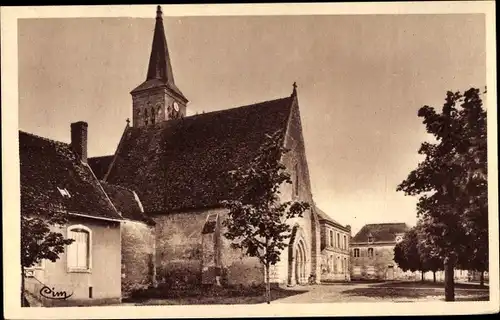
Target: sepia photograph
(260,156)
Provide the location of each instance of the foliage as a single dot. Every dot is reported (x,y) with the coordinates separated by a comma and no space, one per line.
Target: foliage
(451,181)
(257,219)
(406,253)
(38,242)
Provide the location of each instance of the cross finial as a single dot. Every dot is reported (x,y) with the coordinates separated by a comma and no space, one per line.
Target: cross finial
(294,89)
(158,11)
(128,121)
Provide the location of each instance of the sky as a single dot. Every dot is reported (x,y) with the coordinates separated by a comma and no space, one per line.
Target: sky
(361,80)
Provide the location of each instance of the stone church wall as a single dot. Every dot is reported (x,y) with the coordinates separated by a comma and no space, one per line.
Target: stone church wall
(138,251)
(296,163)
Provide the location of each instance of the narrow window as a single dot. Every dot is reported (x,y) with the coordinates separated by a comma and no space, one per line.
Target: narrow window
(345,242)
(370,252)
(338,240)
(79,251)
(331,238)
(296,180)
(153,116)
(356,253)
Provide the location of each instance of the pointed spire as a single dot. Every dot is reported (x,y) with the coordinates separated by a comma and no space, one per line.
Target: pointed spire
(294,92)
(159,61)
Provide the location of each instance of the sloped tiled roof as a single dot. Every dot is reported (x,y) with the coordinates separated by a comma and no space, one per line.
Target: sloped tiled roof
(100,165)
(381,232)
(323,216)
(47,165)
(125,202)
(181,164)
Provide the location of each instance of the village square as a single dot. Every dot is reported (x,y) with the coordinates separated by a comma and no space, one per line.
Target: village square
(221,207)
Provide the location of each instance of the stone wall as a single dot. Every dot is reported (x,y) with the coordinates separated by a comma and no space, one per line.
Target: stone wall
(179,247)
(296,162)
(138,254)
(379,267)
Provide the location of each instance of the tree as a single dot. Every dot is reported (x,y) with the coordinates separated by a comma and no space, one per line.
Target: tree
(38,242)
(257,219)
(429,256)
(451,182)
(407,255)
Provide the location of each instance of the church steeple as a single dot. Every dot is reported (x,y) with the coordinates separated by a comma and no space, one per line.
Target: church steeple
(159,61)
(158,98)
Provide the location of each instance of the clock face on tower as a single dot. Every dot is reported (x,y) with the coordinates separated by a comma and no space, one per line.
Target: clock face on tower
(176,106)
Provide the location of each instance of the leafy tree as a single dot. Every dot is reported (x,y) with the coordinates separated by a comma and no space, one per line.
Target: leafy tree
(429,256)
(407,255)
(39,242)
(257,219)
(451,182)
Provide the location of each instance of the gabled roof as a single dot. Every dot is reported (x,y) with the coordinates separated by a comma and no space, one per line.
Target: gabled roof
(380,232)
(126,202)
(100,165)
(181,164)
(160,73)
(47,166)
(324,217)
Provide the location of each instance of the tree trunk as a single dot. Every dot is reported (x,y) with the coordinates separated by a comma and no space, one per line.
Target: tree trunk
(434,276)
(449,284)
(481,279)
(268,285)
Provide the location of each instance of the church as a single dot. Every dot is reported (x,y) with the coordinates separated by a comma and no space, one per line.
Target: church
(175,165)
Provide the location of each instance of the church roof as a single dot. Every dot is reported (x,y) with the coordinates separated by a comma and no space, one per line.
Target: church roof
(160,73)
(126,202)
(181,164)
(100,165)
(380,232)
(49,169)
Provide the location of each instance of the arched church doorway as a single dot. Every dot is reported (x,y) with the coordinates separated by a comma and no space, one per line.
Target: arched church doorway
(298,259)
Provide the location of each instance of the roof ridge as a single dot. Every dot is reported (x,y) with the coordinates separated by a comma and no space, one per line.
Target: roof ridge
(98,157)
(65,144)
(233,108)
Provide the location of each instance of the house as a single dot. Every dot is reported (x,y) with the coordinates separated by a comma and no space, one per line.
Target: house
(372,252)
(55,176)
(177,166)
(335,253)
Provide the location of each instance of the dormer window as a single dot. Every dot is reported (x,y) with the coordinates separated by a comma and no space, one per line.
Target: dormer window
(64,192)
(370,239)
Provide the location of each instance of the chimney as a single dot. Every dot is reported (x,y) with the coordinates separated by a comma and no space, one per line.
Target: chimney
(79,139)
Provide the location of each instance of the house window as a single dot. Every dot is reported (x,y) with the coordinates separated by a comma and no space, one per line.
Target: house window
(370,252)
(338,240)
(370,239)
(331,238)
(345,265)
(356,253)
(79,251)
(345,242)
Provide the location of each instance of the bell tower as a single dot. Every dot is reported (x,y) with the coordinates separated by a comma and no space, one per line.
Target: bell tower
(158,99)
